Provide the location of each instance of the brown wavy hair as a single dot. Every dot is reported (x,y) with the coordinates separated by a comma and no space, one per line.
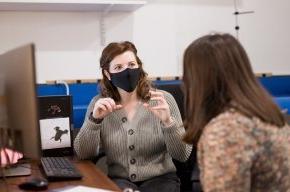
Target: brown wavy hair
(217,72)
(107,88)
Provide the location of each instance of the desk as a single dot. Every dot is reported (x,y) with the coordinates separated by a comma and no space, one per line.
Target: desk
(92,177)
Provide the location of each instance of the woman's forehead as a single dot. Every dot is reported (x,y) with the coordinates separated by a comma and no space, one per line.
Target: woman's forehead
(123,58)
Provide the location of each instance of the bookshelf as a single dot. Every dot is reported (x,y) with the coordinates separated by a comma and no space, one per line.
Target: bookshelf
(103,6)
(71,5)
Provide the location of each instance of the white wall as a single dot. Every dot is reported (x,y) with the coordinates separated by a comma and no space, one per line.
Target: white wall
(265,35)
(68,43)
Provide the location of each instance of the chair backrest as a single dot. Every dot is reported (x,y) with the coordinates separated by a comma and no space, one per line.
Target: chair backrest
(186,171)
(176,91)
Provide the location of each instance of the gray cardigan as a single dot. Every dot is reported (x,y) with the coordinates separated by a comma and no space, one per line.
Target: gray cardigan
(136,150)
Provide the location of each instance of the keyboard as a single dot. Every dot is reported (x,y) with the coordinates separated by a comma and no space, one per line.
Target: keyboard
(59,168)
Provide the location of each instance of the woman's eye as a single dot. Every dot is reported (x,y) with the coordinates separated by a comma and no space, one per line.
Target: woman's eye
(118,67)
(132,64)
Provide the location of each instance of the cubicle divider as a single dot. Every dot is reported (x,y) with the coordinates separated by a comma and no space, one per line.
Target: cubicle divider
(83,91)
(279,88)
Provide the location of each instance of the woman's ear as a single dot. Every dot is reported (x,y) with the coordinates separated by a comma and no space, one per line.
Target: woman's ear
(107,74)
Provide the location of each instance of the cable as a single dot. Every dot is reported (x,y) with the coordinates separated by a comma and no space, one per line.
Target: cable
(65,84)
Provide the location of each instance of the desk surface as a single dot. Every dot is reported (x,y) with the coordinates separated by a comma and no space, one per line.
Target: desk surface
(92,177)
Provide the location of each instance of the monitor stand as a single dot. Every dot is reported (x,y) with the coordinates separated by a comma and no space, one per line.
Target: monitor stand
(22,169)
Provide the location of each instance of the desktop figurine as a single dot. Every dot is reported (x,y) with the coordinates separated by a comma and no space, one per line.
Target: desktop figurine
(59,134)
(54,109)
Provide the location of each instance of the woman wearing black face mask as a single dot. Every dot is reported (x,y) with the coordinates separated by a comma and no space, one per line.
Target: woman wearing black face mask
(138,128)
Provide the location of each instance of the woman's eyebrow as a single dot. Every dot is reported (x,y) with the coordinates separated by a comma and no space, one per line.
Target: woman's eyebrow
(128,62)
(116,64)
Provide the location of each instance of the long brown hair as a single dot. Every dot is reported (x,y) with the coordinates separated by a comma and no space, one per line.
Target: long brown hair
(216,73)
(109,53)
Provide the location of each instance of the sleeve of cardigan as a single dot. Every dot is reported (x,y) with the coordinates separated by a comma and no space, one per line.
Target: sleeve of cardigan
(174,133)
(88,141)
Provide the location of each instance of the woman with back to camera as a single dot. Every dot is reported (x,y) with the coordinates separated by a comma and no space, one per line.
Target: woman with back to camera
(242,138)
(138,128)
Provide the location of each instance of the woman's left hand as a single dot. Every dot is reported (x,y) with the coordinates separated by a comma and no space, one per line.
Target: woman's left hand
(162,110)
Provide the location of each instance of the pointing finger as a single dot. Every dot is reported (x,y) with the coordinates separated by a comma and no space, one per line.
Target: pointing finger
(118,107)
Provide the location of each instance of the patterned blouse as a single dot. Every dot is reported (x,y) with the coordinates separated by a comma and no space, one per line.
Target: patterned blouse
(236,153)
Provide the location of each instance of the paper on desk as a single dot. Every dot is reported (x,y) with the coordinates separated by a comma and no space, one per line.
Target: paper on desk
(81,189)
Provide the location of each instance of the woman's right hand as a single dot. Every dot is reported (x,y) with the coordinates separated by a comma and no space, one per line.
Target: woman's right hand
(104,106)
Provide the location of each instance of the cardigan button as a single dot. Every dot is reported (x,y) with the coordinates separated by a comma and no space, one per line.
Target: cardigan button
(131,147)
(133,176)
(131,132)
(133,161)
(124,119)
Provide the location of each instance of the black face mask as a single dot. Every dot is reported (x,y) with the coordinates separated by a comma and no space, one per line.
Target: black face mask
(127,79)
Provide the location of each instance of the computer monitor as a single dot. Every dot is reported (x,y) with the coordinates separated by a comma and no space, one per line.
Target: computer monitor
(18,69)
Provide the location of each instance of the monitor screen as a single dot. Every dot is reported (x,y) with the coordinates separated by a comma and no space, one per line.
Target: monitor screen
(17,68)
(55,133)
